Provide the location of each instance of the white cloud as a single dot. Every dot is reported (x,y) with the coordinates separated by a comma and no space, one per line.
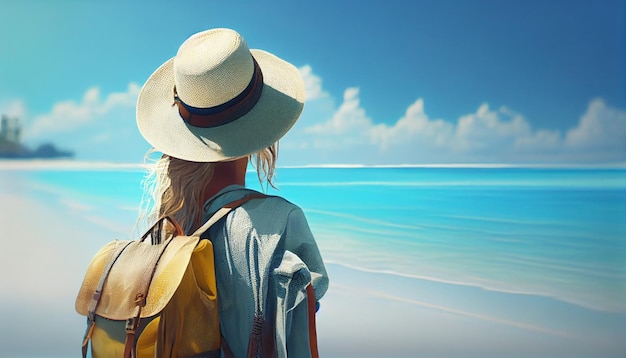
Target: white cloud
(102,127)
(347,135)
(98,127)
(478,131)
(601,130)
(69,115)
(414,127)
(349,123)
(312,83)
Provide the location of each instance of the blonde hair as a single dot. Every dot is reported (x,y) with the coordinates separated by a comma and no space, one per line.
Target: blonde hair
(174,187)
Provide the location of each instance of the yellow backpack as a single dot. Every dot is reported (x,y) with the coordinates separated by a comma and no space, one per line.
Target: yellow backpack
(154,297)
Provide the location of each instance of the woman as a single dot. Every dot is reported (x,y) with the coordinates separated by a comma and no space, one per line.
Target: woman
(208,110)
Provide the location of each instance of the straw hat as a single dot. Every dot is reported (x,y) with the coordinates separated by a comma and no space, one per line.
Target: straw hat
(218,100)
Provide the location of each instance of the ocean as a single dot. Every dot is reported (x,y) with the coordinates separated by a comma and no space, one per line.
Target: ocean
(554,232)
(517,240)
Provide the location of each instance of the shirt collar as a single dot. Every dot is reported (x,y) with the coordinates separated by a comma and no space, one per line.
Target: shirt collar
(223,197)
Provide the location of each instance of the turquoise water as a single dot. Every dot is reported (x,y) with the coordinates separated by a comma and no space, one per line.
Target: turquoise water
(429,262)
(556,233)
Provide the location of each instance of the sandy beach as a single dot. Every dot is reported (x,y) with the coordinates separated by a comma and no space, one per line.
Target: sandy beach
(377,315)
(46,248)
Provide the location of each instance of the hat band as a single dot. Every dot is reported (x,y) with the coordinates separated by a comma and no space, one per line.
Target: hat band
(225,112)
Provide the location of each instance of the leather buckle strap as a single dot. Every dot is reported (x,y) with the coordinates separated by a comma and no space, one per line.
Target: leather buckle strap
(311,303)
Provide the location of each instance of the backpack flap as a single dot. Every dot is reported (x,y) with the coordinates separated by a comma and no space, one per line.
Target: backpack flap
(127,276)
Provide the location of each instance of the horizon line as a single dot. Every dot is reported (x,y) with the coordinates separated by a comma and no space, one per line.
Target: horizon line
(27,164)
(616,165)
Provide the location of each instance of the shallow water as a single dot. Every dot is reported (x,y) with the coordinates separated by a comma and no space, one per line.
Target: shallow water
(550,232)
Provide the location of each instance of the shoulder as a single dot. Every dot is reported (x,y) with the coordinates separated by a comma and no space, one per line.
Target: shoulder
(276,204)
(274,213)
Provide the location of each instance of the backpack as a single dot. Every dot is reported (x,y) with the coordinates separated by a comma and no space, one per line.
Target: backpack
(154,297)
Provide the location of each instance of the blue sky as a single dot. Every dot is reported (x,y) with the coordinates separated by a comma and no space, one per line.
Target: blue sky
(393,82)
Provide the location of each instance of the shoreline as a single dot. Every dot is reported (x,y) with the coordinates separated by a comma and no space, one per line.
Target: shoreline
(424,279)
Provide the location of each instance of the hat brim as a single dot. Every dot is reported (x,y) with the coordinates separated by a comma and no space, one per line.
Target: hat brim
(278,108)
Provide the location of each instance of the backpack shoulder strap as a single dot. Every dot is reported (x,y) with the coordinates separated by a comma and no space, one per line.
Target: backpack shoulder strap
(224,210)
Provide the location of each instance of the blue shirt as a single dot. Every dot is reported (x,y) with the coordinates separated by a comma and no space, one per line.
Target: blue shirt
(265,256)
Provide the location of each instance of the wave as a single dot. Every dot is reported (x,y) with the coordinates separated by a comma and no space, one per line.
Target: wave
(554,265)
(424,278)
(491,219)
(488,233)
(464,313)
(364,219)
(493,287)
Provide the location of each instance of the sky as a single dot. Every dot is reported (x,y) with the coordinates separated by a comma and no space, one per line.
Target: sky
(388,82)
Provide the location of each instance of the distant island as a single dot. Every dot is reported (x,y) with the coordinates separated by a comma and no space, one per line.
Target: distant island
(12,148)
